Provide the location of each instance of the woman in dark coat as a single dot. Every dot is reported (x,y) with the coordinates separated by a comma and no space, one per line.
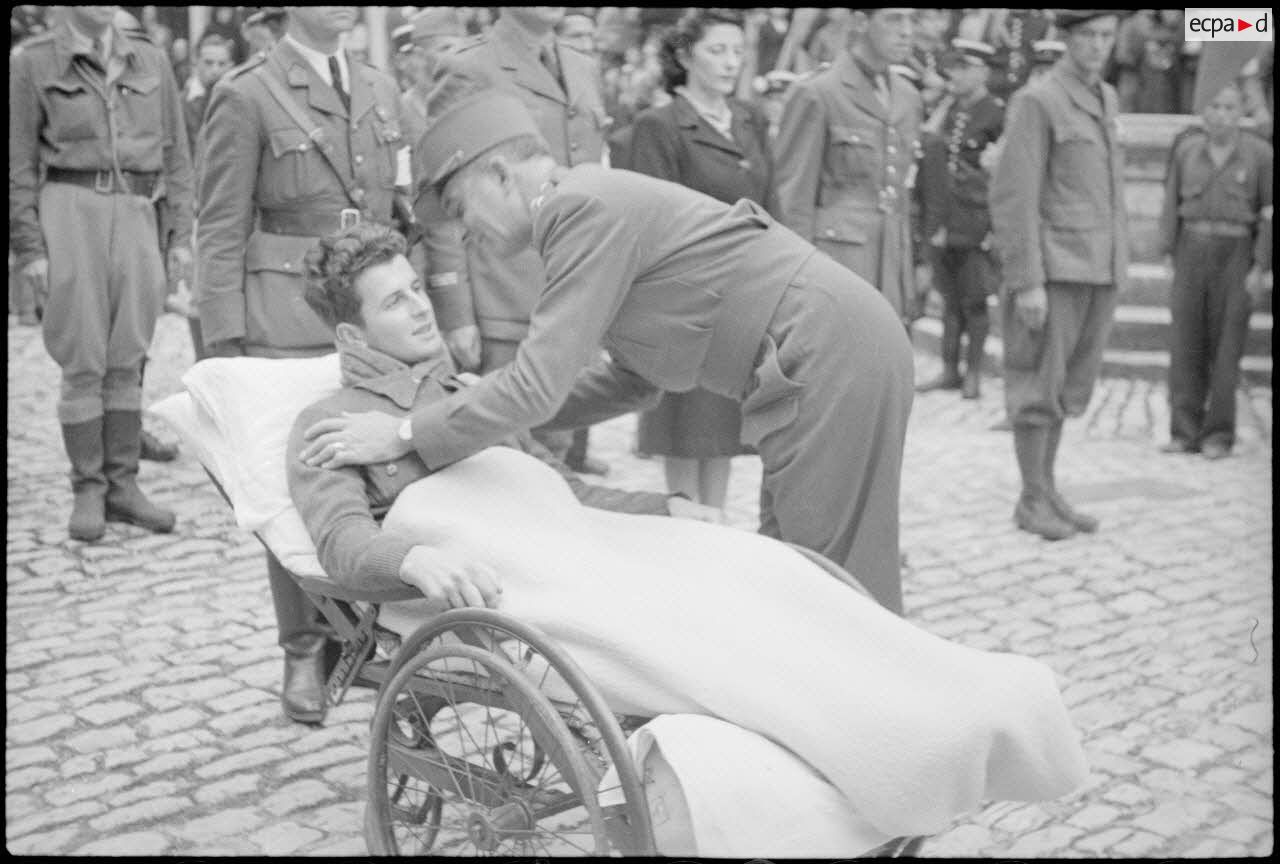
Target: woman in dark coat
(709,141)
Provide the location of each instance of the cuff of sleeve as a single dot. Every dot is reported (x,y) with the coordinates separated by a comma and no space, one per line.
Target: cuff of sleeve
(382,560)
(451,299)
(436,445)
(222,317)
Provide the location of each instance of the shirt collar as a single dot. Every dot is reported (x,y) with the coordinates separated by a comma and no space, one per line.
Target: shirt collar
(113,41)
(379,373)
(320,62)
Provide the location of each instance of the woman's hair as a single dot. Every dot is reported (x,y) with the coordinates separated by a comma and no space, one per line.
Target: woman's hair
(686,33)
(332,267)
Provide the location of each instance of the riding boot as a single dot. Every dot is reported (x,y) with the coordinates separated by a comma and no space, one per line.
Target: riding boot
(125,501)
(1035,512)
(1081,521)
(303,695)
(89,485)
(973,363)
(950,377)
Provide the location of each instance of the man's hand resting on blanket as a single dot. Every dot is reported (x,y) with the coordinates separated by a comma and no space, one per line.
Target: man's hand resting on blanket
(447,578)
(355,438)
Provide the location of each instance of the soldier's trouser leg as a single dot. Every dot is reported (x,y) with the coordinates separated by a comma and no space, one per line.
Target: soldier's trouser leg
(948,284)
(302,635)
(975,275)
(828,412)
(1228,319)
(1193,270)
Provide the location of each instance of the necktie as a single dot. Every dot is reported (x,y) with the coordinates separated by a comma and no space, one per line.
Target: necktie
(882,90)
(336,74)
(548,57)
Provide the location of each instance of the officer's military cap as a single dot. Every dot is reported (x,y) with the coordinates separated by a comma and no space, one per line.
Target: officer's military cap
(266,15)
(1068,18)
(437,21)
(402,38)
(1047,51)
(469,127)
(968,52)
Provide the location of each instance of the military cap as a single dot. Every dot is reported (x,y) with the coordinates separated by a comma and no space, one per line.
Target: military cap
(437,21)
(1068,18)
(402,38)
(467,128)
(1047,51)
(266,15)
(968,51)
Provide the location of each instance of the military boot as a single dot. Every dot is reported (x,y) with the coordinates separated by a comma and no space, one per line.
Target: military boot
(84,447)
(972,388)
(1080,521)
(950,377)
(303,695)
(1035,512)
(125,501)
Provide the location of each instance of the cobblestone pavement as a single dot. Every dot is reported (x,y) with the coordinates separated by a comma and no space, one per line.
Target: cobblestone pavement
(142,673)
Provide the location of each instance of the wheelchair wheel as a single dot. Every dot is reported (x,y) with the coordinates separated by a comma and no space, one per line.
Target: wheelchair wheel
(475,760)
(414,713)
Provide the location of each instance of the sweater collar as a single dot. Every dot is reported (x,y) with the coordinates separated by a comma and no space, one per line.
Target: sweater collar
(383,374)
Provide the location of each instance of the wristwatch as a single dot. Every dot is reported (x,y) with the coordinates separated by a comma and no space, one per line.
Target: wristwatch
(405,431)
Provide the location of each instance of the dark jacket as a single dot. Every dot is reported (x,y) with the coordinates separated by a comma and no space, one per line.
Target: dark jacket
(675,143)
(343,508)
(953,182)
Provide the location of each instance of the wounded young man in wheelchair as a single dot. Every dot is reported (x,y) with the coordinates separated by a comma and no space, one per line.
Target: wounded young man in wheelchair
(764,667)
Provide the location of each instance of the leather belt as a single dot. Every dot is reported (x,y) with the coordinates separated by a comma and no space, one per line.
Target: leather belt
(303,223)
(107,182)
(1218,229)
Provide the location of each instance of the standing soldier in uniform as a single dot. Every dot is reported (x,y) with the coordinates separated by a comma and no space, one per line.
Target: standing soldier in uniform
(433,32)
(96,114)
(483,299)
(1057,207)
(1013,34)
(1216,223)
(296,143)
(956,220)
(846,145)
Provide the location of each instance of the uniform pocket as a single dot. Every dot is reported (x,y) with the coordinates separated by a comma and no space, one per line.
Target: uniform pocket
(774,402)
(1022,345)
(276,310)
(71,110)
(839,225)
(853,153)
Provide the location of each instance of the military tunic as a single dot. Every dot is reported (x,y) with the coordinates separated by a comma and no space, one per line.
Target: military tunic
(954,196)
(267,194)
(469,284)
(685,291)
(1216,222)
(91,150)
(844,162)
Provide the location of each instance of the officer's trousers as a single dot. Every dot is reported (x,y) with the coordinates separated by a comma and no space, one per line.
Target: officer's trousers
(964,277)
(1049,374)
(1210,322)
(827,410)
(106,290)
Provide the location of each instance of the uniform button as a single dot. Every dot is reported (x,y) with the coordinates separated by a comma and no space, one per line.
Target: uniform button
(392,469)
(572,112)
(891,149)
(573,146)
(288,265)
(359,159)
(830,232)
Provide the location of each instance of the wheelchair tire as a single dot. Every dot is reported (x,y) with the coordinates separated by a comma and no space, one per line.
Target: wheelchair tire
(595,727)
(438,786)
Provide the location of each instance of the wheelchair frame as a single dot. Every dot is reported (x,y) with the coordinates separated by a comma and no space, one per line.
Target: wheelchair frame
(553,741)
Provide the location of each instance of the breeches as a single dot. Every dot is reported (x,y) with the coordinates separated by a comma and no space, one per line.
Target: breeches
(827,411)
(1049,374)
(964,278)
(106,289)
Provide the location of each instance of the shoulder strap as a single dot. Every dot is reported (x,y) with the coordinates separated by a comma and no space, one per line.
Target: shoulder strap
(275,87)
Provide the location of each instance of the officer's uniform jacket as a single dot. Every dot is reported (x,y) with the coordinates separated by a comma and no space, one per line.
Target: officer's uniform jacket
(472,285)
(953,183)
(1057,192)
(1239,191)
(843,167)
(259,170)
(63,114)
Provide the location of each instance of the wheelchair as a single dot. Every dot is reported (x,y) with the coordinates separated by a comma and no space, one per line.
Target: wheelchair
(486,737)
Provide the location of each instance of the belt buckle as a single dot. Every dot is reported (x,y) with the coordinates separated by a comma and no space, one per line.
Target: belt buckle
(348,217)
(99,186)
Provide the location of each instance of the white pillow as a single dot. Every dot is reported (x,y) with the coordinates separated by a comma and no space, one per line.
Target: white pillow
(253,402)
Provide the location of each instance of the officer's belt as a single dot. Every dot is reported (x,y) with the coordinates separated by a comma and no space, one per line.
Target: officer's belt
(106,182)
(1213,228)
(315,223)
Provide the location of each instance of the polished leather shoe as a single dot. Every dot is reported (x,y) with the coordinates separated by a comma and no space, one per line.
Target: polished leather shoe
(303,696)
(1215,450)
(1037,516)
(1080,521)
(154,450)
(1178,445)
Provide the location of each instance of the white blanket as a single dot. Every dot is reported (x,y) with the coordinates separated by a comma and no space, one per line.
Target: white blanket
(672,616)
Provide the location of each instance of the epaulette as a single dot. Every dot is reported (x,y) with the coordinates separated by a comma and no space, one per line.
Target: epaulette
(140,35)
(1187,133)
(252,63)
(1259,134)
(34,41)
